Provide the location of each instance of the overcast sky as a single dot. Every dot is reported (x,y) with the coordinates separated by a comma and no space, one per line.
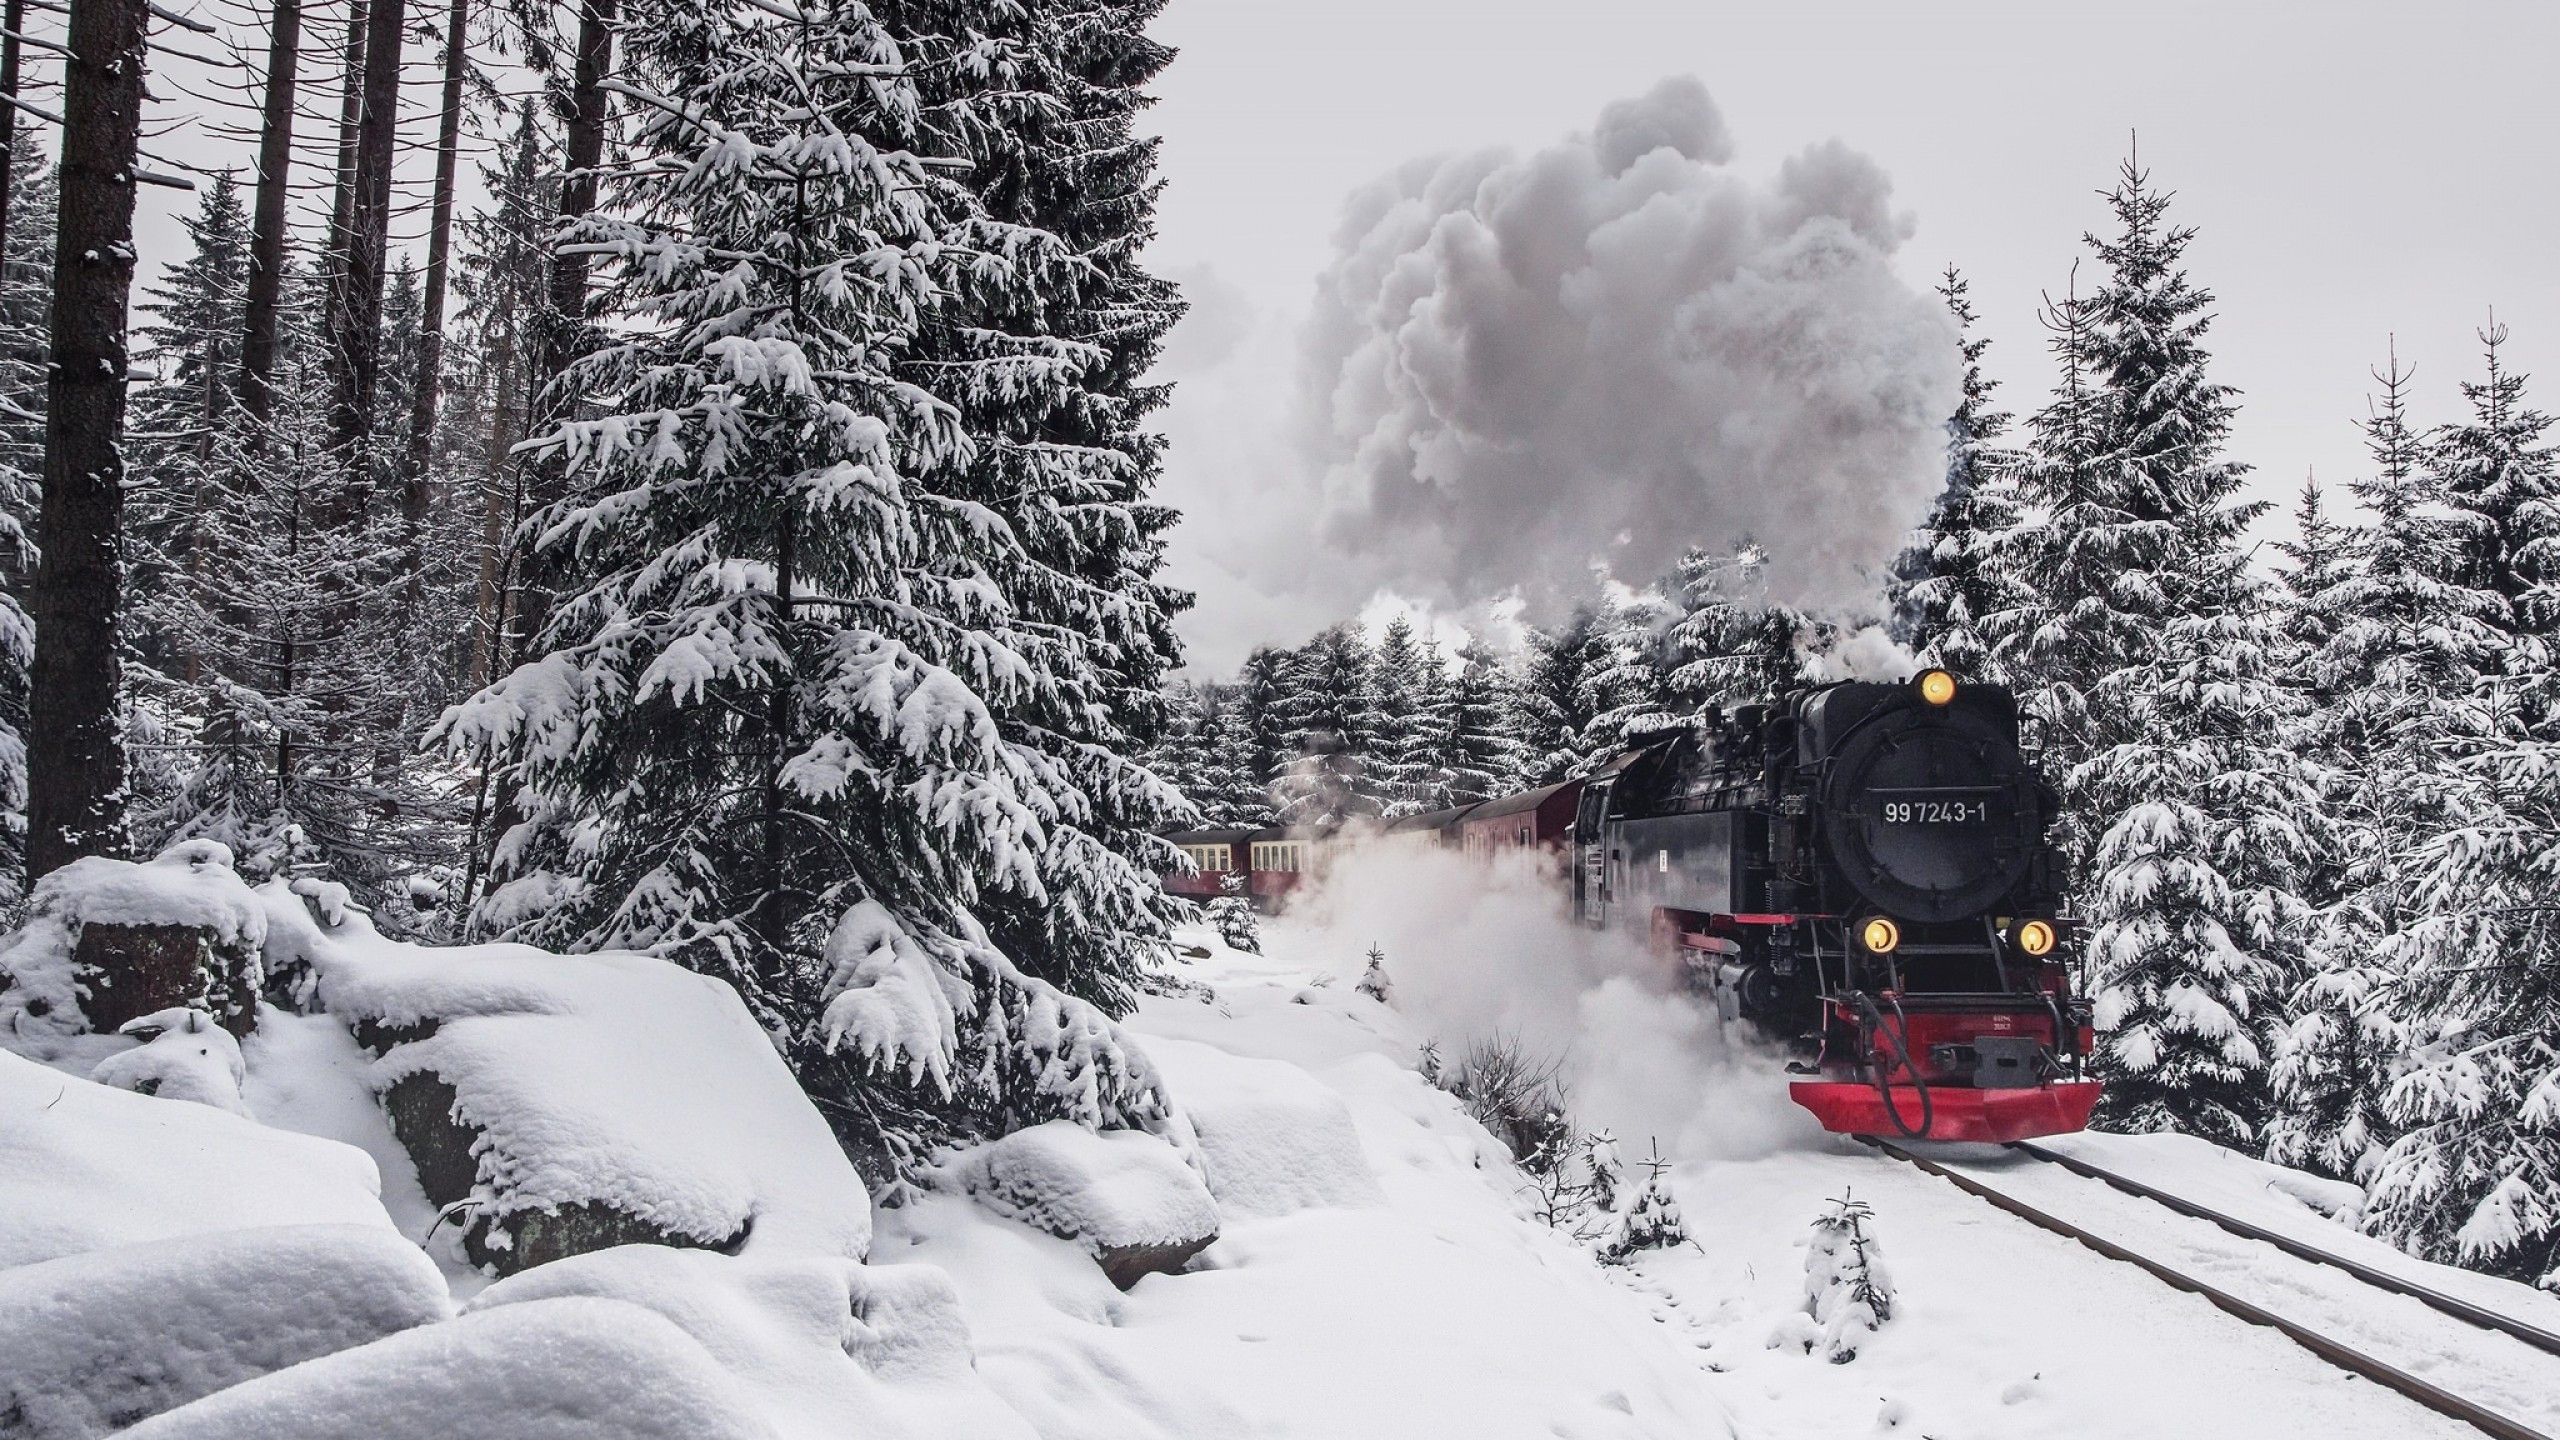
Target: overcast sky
(2354,169)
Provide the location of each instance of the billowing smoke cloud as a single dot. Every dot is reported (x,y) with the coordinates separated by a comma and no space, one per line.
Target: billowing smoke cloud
(1611,350)
(1484,950)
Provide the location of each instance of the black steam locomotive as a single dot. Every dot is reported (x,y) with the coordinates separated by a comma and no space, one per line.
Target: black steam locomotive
(1862,870)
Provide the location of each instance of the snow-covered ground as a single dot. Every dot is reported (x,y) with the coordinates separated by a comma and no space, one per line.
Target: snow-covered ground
(1378,1269)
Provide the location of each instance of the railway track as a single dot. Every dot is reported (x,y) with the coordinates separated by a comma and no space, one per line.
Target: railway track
(2345,1357)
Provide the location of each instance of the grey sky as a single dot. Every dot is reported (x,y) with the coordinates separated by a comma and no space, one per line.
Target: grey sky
(2355,170)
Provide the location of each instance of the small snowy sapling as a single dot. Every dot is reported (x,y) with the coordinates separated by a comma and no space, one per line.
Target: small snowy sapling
(1652,1223)
(1232,913)
(1373,980)
(1846,1289)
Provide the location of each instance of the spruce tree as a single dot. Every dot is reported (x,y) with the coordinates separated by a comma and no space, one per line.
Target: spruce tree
(1398,764)
(1951,575)
(1329,709)
(1479,755)
(1559,696)
(1731,645)
(810,708)
(2472,1173)
(2155,655)
(1047,371)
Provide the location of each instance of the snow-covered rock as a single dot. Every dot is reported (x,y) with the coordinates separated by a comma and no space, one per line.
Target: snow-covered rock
(562,1369)
(1127,1197)
(184,1056)
(85,1167)
(581,1101)
(827,1347)
(1272,1139)
(107,940)
(93,1342)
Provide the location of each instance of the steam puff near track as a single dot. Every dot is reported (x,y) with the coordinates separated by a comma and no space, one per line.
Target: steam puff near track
(1616,348)
(1478,950)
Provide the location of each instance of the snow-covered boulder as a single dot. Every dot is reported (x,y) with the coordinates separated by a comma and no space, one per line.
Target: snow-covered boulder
(828,1347)
(107,941)
(91,1343)
(1127,1197)
(84,1167)
(565,1369)
(570,1103)
(1273,1139)
(184,1056)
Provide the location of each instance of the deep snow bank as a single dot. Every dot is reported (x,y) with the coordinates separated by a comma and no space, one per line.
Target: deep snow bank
(607,1085)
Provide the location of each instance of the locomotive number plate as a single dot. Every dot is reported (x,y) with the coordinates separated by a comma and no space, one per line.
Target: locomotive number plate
(1939,807)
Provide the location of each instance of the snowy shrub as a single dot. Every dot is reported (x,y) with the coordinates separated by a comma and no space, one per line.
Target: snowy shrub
(1847,1293)
(1519,1096)
(1652,1222)
(184,1056)
(1232,914)
(1373,980)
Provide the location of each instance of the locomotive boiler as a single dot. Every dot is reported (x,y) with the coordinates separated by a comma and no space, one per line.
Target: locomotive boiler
(1863,871)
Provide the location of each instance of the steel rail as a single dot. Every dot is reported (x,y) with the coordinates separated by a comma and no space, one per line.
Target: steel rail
(2443,1402)
(2464,1310)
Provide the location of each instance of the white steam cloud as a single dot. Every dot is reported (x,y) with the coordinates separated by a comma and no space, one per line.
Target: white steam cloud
(1477,951)
(1611,350)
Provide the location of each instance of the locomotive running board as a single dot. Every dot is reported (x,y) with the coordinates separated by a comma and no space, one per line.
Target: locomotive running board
(1954,1112)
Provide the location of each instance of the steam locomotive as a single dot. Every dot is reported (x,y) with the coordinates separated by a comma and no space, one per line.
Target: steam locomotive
(1860,870)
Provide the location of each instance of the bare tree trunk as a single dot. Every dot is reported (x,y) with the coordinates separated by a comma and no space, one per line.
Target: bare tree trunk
(422,401)
(267,223)
(75,747)
(358,304)
(565,337)
(350,111)
(13,17)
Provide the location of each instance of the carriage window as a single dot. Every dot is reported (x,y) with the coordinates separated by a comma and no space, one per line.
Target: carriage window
(1277,854)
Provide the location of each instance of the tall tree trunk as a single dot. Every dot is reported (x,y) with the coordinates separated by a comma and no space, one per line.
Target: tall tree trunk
(13,17)
(350,112)
(267,223)
(358,304)
(423,397)
(565,337)
(75,747)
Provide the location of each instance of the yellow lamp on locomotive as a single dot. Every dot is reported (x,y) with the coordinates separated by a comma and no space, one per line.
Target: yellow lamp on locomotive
(1880,935)
(2035,937)
(1937,686)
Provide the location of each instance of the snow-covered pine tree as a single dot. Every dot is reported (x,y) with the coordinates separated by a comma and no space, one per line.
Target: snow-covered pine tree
(1950,576)
(1329,708)
(802,712)
(1559,696)
(1847,1292)
(1261,709)
(1731,645)
(1232,793)
(2406,649)
(1231,914)
(1399,761)
(191,344)
(1631,679)
(1180,755)
(1479,756)
(2472,1175)
(1047,368)
(2152,649)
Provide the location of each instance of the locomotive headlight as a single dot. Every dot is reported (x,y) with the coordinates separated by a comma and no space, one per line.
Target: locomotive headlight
(1937,686)
(1880,935)
(2035,937)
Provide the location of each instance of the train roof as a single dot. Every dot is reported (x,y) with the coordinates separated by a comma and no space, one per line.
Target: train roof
(1228,835)
(1430,820)
(1526,800)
